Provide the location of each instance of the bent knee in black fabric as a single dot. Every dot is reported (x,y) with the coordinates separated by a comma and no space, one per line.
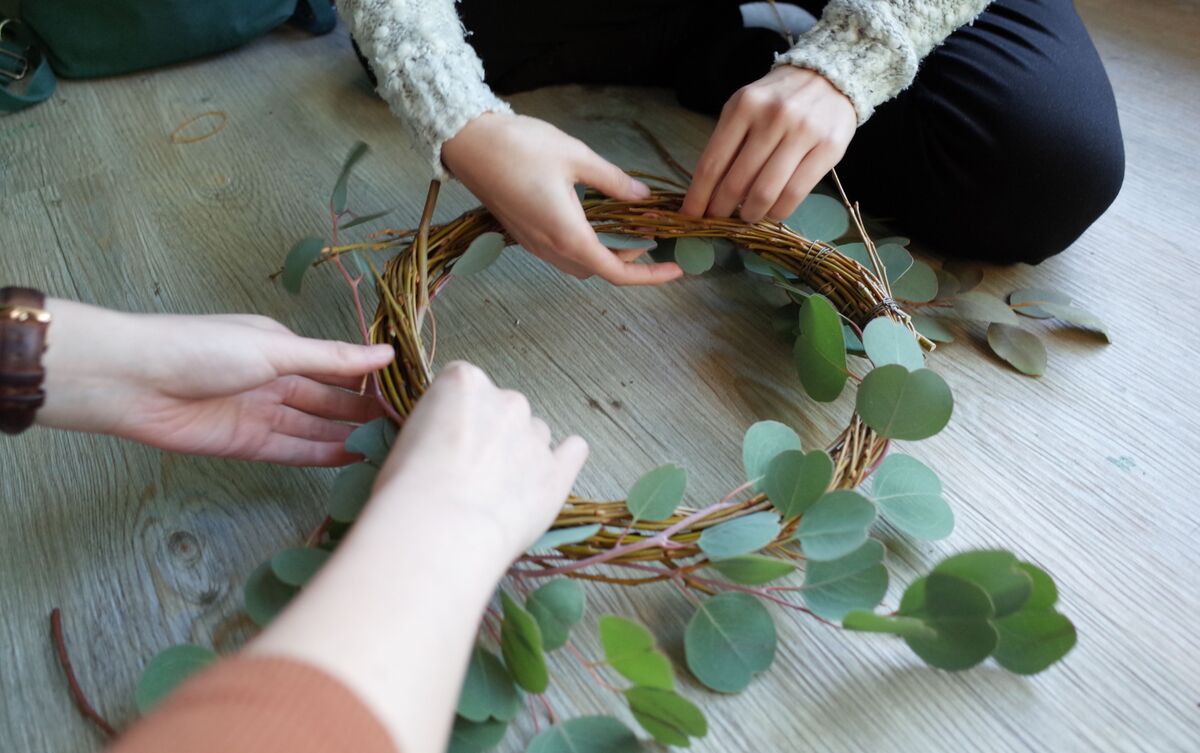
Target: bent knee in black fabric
(1007,146)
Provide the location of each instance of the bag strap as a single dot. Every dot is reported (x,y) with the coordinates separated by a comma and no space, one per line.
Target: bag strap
(315,16)
(22,66)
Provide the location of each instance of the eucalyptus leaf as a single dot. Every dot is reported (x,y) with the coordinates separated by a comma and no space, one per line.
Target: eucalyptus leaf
(820,350)
(1078,317)
(918,285)
(557,607)
(968,274)
(480,254)
(295,566)
(656,495)
(668,717)
(373,440)
(836,525)
(896,259)
(521,646)
(869,622)
(695,255)
(854,345)
(934,329)
(626,242)
(948,285)
(909,495)
(363,219)
(265,595)
(895,240)
(360,265)
(739,536)
(1023,350)
(629,649)
(488,691)
(1043,593)
(586,734)
(1032,640)
(753,569)
(475,737)
(888,341)
(903,404)
(859,580)
(351,490)
(763,442)
(166,671)
(729,639)
(795,480)
(1007,585)
(1025,300)
(981,307)
(299,260)
(337,199)
(959,613)
(557,537)
(820,218)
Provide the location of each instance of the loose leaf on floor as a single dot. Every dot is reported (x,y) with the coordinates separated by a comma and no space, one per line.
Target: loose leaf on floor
(557,537)
(655,495)
(337,199)
(856,581)
(795,480)
(167,670)
(919,284)
(900,404)
(1025,301)
(586,734)
(762,443)
(819,218)
(296,565)
(836,525)
(981,307)
(299,260)
(948,285)
(934,329)
(351,490)
(488,691)
(1078,317)
(743,535)
(888,341)
(629,649)
(753,569)
(820,351)
(521,646)
(695,255)
(265,595)
(669,718)
(373,440)
(729,639)
(968,274)
(557,607)
(626,242)
(1020,348)
(475,737)
(481,254)
(909,495)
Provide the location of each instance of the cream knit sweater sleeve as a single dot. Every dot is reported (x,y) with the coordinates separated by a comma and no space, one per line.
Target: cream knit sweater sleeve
(432,78)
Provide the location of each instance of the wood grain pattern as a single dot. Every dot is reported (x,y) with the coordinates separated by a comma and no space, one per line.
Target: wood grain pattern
(1087,471)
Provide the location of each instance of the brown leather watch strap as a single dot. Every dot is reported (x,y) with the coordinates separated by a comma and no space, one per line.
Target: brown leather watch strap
(23,324)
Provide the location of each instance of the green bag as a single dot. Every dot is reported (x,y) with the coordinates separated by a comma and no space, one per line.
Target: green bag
(91,38)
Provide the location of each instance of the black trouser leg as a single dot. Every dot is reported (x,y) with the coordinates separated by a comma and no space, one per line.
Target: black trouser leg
(1005,148)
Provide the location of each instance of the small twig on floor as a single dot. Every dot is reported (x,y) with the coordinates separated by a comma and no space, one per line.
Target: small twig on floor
(81,702)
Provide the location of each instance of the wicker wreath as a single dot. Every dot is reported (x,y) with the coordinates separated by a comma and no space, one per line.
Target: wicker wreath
(411,279)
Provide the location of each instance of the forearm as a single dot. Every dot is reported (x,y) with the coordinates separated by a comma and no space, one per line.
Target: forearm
(408,670)
(427,72)
(871,49)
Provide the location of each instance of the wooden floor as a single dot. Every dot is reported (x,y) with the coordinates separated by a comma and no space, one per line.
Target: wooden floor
(1090,471)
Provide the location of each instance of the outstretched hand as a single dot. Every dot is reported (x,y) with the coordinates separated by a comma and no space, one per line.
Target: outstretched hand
(524,170)
(232,386)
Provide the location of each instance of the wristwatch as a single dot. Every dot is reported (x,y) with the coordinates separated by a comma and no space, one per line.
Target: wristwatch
(23,324)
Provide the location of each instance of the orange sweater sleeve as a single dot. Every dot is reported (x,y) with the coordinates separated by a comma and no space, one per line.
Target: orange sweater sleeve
(259,705)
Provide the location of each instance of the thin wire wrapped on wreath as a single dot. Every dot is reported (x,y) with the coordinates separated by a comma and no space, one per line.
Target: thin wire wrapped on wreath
(411,279)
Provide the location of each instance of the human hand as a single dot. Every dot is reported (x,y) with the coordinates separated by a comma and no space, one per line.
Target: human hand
(474,454)
(776,138)
(233,386)
(525,170)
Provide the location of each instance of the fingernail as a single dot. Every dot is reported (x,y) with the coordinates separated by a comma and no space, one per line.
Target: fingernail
(640,189)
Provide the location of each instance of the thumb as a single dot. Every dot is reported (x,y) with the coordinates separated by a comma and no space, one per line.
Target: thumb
(569,457)
(609,179)
(303,355)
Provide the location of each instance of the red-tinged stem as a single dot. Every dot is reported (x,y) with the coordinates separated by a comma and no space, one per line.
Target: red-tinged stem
(362,325)
(537,725)
(553,718)
(81,702)
(591,668)
(314,538)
